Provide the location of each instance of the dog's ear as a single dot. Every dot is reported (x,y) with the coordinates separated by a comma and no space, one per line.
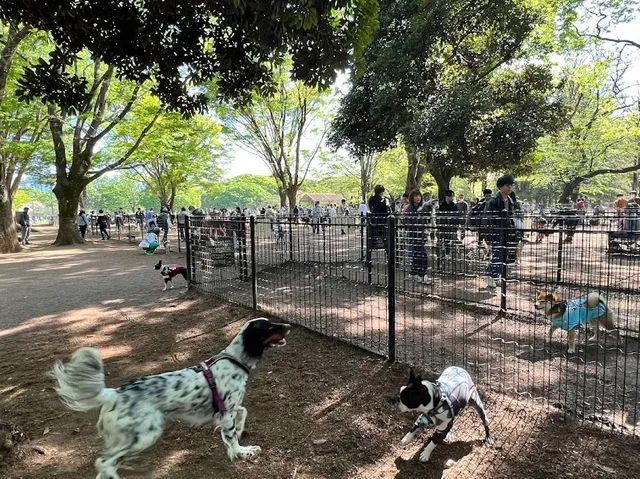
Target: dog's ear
(413,379)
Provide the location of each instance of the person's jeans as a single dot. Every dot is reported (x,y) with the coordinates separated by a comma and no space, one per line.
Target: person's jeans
(83,230)
(24,234)
(418,257)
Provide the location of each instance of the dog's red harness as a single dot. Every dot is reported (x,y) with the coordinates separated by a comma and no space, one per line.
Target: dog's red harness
(205,368)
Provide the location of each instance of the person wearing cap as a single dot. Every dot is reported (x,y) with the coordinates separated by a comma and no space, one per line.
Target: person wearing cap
(501,212)
(25,226)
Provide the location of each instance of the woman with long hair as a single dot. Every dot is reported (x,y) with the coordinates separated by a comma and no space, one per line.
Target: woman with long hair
(415,221)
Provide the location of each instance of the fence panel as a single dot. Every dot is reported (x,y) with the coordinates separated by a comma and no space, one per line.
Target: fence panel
(429,301)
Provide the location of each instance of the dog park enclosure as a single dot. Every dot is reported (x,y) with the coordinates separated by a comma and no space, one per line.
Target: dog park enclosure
(351,283)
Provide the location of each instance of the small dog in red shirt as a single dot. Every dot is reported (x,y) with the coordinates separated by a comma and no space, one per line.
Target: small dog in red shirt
(169,271)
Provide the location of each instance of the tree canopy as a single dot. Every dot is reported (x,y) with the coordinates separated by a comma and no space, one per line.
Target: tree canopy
(181,43)
(445,76)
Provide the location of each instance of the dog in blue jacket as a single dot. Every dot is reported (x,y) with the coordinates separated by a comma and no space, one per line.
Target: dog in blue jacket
(570,315)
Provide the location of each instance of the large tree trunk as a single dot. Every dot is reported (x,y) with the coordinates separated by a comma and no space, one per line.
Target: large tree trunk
(68,196)
(283,196)
(415,170)
(8,235)
(570,191)
(443,180)
(292,195)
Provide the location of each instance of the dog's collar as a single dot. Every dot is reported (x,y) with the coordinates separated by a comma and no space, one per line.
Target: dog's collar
(222,356)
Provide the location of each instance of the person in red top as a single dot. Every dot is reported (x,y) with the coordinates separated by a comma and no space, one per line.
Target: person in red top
(620,203)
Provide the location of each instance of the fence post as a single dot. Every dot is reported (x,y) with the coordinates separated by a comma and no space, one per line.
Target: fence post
(503,274)
(559,262)
(290,238)
(254,279)
(187,240)
(391,286)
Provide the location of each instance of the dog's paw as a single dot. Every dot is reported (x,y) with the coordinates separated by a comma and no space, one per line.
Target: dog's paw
(425,455)
(408,437)
(449,437)
(489,440)
(571,350)
(246,452)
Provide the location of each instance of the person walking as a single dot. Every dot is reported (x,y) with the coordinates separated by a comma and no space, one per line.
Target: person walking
(83,222)
(103,224)
(343,212)
(501,212)
(25,226)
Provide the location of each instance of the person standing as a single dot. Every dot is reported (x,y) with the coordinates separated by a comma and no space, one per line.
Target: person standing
(415,221)
(25,226)
(501,211)
(164,222)
(150,219)
(83,222)
(103,224)
(343,212)
(378,211)
(140,218)
(448,219)
(181,222)
(316,215)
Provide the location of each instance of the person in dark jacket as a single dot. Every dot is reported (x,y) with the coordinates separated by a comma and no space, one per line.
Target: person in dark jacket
(378,211)
(478,218)
(25,226)
(502,230)
(448,222)
(103,224)
(416,217)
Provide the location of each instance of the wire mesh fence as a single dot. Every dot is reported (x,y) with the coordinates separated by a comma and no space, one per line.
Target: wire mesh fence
(436,291)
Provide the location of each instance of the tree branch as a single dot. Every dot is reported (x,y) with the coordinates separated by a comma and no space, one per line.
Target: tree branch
(130,151)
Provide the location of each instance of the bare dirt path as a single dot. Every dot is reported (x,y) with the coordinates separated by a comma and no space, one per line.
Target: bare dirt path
(319,408)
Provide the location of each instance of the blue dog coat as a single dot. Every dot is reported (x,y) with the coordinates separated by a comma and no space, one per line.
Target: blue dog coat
(577,314)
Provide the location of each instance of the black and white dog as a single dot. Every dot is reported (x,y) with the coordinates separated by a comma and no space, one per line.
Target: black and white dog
(440,403)
(170,271)
(133,416)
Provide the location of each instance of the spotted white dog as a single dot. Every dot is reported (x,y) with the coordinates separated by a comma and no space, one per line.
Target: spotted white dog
(133,416)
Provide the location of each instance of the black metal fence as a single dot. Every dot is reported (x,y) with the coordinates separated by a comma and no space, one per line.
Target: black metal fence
(438,291)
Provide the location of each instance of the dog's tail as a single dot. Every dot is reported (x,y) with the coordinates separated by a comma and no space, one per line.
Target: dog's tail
(81,384)
(595,299)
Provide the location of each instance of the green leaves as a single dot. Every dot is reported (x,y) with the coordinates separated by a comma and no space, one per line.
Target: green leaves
(182,44)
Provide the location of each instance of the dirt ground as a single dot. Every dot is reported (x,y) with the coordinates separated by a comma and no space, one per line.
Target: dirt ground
(319,408)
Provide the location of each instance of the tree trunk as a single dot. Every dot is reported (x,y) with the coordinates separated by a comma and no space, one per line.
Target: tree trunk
(292,195)
(283,197)
(570,191)
(8,235)
(68,200)
(415,170)
(443,180)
